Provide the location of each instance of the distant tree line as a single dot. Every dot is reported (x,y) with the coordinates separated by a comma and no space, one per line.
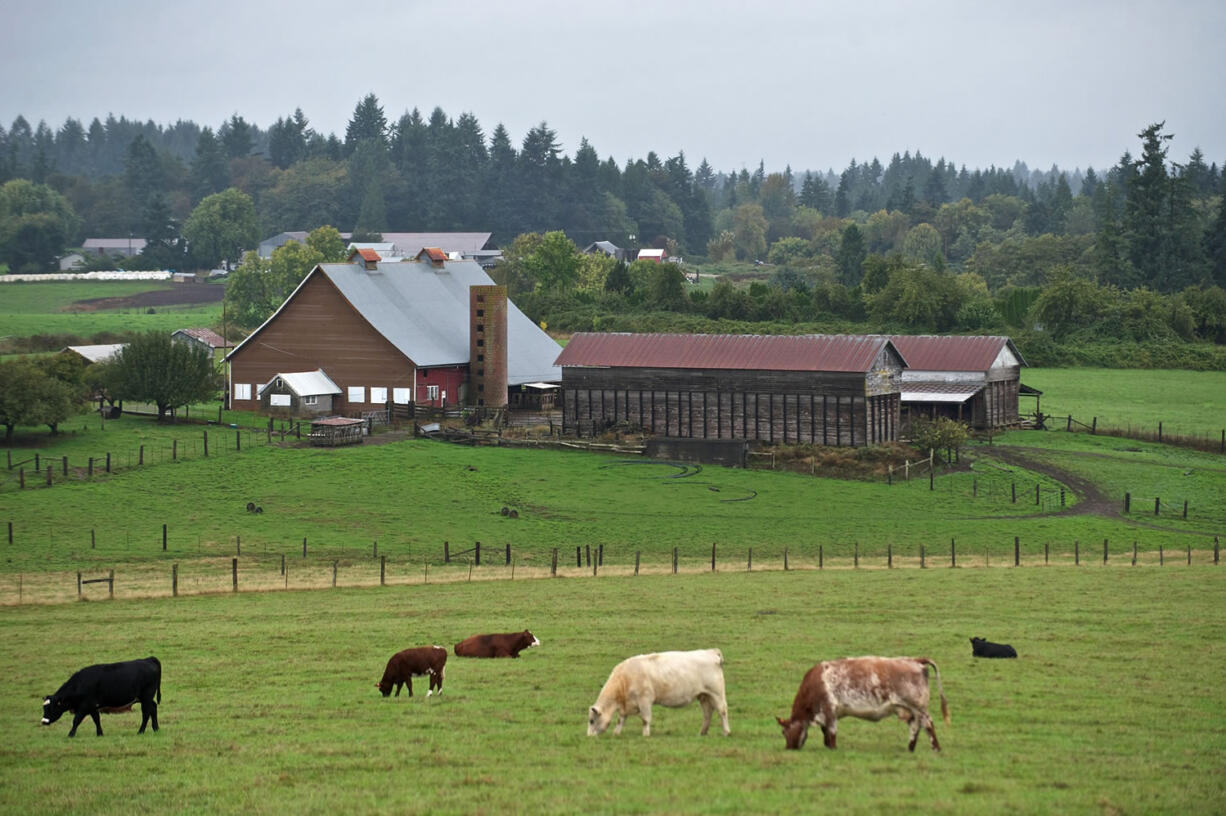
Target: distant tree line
(877,242)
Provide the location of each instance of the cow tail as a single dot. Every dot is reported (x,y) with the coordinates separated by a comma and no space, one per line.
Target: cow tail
(940,688)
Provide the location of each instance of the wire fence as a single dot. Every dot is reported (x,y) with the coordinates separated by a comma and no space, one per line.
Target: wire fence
(160,578)
(1212,441)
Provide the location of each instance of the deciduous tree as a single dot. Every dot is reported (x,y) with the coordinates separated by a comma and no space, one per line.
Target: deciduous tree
(156,369)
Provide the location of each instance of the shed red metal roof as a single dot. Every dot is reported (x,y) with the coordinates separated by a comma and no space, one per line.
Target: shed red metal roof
(927,352)
(812,352)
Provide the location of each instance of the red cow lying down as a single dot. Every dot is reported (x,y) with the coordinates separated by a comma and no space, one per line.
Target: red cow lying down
(427,661)
(870,688)
(505,645)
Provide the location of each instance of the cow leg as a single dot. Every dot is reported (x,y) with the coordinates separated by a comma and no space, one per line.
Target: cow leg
(721,706)
(153,712)
(645,713)
(913,721)
(408,684)
(77,716)
(707,708)
(830,733)
(97,721)
(932,732)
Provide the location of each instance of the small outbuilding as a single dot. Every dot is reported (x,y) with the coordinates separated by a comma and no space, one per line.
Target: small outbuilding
(334,431)
(299,393)
(972,379)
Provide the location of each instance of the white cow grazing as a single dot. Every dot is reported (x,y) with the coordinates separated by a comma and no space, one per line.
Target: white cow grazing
(673,679)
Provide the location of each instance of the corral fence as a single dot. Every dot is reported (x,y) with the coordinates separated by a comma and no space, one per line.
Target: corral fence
(1211,441)
(185,574)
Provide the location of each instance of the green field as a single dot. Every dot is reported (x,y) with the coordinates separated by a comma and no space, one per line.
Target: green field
(1186,402)
(28,309)
(269,706)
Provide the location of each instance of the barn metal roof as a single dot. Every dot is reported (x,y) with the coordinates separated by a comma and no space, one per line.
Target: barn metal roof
(97,353)
(206,336)
(812,352)
(422,310)
(305,383)
(928,352)
(938,392)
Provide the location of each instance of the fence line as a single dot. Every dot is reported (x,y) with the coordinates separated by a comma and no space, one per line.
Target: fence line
(158,578)
(1212,441)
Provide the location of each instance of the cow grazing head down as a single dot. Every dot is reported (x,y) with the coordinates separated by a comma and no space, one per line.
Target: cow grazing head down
(53,709)
(598,721)
(795,732)
(385,688)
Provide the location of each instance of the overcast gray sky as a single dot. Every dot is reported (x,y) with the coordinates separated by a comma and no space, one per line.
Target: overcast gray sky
(806,84)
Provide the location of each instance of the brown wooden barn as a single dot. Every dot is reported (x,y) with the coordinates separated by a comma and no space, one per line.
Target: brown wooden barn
(821,389)
(976,380)
(430,331)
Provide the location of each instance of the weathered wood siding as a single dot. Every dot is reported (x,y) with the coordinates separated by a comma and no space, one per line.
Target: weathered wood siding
(318,329)
(823,408)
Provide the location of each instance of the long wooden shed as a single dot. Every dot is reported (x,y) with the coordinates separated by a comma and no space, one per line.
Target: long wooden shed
(820,389)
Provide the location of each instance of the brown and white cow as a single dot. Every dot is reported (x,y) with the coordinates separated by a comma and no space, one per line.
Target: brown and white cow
(870,688)
(672,679)
(502,645)
(425,661)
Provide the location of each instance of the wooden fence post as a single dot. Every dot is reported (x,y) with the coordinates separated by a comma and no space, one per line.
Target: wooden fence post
(509,553)
(856,555)
(975,487)
(174,580)
(1076,552)
(712,558)
(1046,548)
(1159,431)
(1157,505)
(1185,504)
(446,552)
(108,462)
(1013,491)
(174,449)
(953,554)
(1104,551)
(38,465)
(21,475)
(49,469)
(578,556)
(1215,550)
(238,439)
(820,556)
(922,557)
(1161,557)
(636,562)
(553,564)
(206,443)
(383,570)
(110,583)
(11,532)
(1036,495)
(93,541)
(1134,553)
(65,463)
(785,559)
(304,546)
(1189,555)
(282,563)
(238,545)
(1061,496)
(477,553)
(1094,425)
(674,560)
(1017,552)
(163,538)
(334,574)
(374,548)
(234,573)
(78,586)
(140,458)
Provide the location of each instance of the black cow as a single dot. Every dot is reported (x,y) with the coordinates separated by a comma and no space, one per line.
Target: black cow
(984,648)
(108,688)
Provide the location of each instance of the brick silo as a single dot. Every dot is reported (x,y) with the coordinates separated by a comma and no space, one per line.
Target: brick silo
(487,346)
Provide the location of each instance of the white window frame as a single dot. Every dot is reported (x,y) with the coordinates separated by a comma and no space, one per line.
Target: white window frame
(378,395)
(402,396)
(431,393)
(356,394)
(310,399)
(242,391)
(279,401)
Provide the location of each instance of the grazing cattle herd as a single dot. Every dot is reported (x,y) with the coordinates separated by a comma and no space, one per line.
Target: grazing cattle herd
(870,688)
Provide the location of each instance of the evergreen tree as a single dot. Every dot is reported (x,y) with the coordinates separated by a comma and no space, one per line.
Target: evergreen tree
(236,137)
(209,171)
(368,122)
(1215,241)
(851,255)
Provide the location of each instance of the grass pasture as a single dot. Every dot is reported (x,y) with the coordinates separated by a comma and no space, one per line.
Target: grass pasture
(28,309)
(1185,402)
(1115,704)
